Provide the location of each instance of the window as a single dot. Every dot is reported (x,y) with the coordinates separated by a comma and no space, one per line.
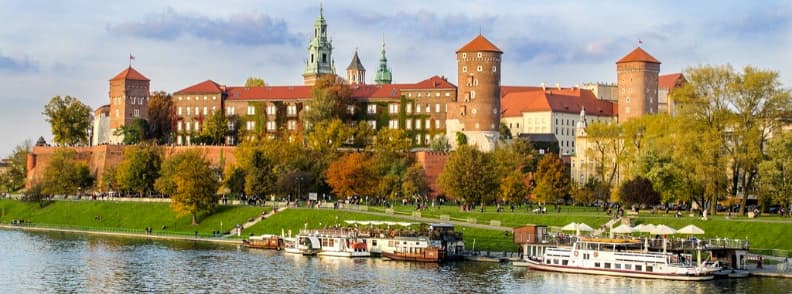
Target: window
(478,55)
(477,126)
(418,124)
(271,109)
(179,111)
(638,267)
(373,124)
(428,108)
(230,110)
(251,110)
(136,113)
(409,124)
(351,109)
(292,125)
(188,98)
(206,110)
(494,68)
(214,97)
(291,109)
(479,68)
(417,108)
(393,124)
(178,138)
(197,125)
(627,99)
(180,98)
(437,124)
(428,124)
(464,69)
(205,98)
(197,110)
(188,111)
(473,111)
(628,266)
(271,125)
(393,108)
(437,108)
(473,94)
(179,125)
(230,126)
(464,55)
(409,107)
(448,94)
(371,108)
(251,125)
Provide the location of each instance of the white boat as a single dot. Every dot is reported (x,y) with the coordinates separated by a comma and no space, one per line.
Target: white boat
(616,257)
(339,242)
(440,243)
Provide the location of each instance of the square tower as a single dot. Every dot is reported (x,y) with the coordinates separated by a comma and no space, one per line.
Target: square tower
(129,93)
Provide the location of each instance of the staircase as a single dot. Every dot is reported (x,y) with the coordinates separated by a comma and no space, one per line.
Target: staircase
(610,223)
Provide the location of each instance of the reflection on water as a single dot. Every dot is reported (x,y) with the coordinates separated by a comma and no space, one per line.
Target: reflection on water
(58,262)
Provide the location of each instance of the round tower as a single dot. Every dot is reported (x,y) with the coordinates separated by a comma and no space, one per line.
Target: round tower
(637,74)
(477,109)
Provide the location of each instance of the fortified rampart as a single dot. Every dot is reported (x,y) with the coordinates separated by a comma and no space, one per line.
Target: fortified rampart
(432,163)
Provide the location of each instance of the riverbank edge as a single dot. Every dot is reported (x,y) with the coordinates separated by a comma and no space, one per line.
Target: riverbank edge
(117,234)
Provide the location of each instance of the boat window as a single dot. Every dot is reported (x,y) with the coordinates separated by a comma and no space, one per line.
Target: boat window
(648,268)
(555,261)
(617,266)
(374,242)
(607,265)
(564,262)
(638,268)
(596,264)
(628,266)
(547,261)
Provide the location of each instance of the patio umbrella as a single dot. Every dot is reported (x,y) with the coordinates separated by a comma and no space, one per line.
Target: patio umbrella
(662,230)
(690,230)
(584,227)
(570,227)
(622,229)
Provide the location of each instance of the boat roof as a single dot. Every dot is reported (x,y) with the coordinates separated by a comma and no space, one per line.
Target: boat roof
(442,225)
(611,240)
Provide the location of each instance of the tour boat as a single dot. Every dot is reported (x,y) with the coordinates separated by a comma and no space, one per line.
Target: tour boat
(340,242)
(440,243)
(616,257)
(264,242)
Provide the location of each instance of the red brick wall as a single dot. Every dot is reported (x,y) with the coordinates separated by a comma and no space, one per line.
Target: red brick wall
(432,163)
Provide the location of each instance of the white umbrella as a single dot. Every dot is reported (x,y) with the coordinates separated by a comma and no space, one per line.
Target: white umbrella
(570,227)
(622,229)
(690,230)
(647,228)
(663,230)
(584,227)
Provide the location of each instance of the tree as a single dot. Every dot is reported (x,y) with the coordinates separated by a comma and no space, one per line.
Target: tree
(583,194)
(216,128)
(776,171)
(234,180)
(65,174)
(352,175)
(461,139)
(414,182)
(70,120)
(362,135)
(13,179)
(190,181)
(440,144)
(137,131)
(254,82)
(513,188)
(607,148)
(552,180)
(505,133)
(259,176)
(467,177)
(139,169)
(391,141)
(330,98)
(638,190)
(327,136)
(161,116)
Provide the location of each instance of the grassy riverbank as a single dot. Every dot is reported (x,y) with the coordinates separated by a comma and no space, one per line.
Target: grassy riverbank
(127,216)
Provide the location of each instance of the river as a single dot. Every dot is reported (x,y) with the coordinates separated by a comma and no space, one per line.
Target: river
(34,262)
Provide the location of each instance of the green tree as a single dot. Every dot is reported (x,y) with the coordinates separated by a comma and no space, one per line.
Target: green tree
(328,136)
(440,144)
(139,169)
(552,180)
(254,82)
(13,179)
(362,135)
(505,133)
(137,131)
(216,128)
(638,190)
(461,139)
(607,149)
(330,98)
(391,141)
(65,174)
(776,171)
(414,181)
(234,180)
(467,177)
(161,116)
(70,120)
(259,176)
(191,183)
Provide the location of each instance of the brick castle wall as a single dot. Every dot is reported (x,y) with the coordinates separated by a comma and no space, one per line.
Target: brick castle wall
(432,163)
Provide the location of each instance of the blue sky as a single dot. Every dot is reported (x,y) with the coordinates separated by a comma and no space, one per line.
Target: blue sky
(50,48)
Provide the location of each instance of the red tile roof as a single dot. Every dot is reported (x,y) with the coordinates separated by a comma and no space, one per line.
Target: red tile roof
(269,92)
(567,100)
(479,43)
(669,81)
(207,86)
(435,82)
(129,74)
(508,89)
(638,55)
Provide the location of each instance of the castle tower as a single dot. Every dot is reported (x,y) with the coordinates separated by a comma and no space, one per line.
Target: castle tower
(356,73)
(320,53)
(129,93)
(637,75)
(476,112)
(384,75)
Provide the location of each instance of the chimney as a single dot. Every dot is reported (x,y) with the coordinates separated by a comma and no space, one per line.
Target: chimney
(558,86)
(543,86)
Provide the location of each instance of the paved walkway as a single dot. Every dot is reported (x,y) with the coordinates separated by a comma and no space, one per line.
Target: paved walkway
(261,218)
(429,220)
(118,234)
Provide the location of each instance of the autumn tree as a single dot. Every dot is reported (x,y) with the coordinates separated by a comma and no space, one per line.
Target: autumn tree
(254,82)
(552,179)
(362,135)
(351,175)
(513,188)
(135,132)
(440,144)
(13,179)
(776,171)
(234,180)
(65,174)
(139,169)
(191,183)
(216,128)
(638,190)
(161,116)
(327,136)
(69,119)
(414,181)
(467,176)
(330,97)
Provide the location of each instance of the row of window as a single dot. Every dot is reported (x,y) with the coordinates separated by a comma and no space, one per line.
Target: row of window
(270,110)
(428,94)
(196,98)
(188,110)
(271,125)
(479,68)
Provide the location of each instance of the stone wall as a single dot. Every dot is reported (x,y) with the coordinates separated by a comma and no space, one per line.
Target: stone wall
(432,163)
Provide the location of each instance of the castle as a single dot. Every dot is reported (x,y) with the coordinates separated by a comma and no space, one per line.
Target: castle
(431,109)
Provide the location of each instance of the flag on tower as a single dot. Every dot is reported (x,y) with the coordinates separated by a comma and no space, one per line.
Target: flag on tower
(131,57)
(640,42)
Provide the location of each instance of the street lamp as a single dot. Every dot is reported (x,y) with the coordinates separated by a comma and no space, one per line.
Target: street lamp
(299,185)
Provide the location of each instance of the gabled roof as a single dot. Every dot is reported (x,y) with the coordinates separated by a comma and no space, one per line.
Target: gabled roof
(207,86)
(435,82)
(638,55)
(669,81)
(479,43)
(566,100)
(129,74)
(269,92)
(355,64)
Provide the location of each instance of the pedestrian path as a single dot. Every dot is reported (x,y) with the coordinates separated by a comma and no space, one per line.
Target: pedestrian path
(262,217)
(430,220)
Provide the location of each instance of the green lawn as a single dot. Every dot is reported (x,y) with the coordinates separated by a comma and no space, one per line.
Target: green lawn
(124,215)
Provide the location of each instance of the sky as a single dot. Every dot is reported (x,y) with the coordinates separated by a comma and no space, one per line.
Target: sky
(58,48)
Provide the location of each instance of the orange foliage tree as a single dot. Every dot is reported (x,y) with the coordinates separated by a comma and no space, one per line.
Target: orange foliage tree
(352,174)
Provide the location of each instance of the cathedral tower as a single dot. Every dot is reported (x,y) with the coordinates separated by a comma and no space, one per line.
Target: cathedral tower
(320,53)
(384,75)
(356,73)
(476,112)
(637,75)
(129,93)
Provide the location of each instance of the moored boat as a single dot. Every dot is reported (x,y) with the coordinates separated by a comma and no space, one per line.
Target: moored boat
(264,242)
(440,243)
(616,257)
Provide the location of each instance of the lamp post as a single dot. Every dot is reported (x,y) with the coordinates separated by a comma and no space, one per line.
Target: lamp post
(299,186)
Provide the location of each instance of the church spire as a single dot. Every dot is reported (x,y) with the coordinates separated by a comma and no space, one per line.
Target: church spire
(320,52)
(384,75)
